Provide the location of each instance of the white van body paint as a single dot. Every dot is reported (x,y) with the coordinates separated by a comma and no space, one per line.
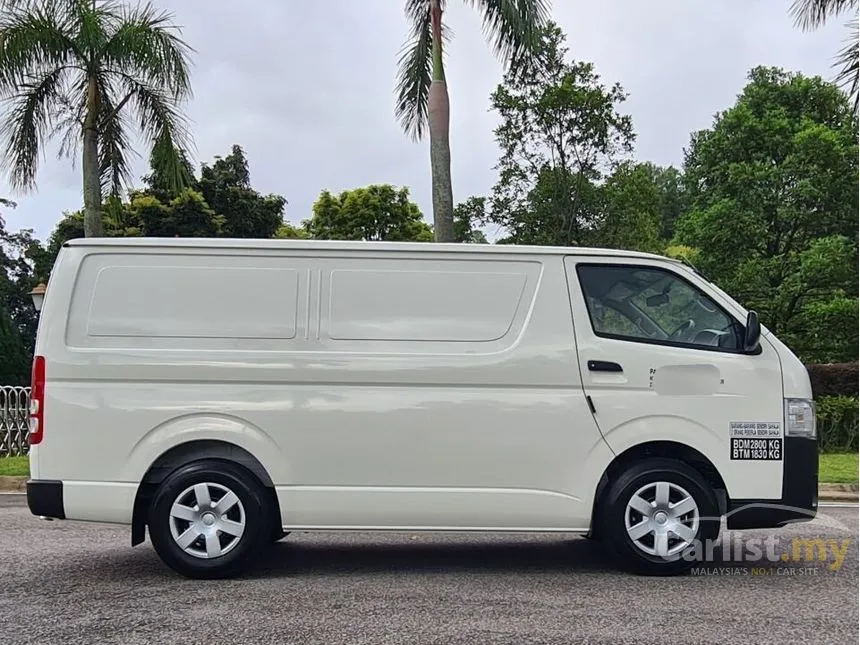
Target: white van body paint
(380,385)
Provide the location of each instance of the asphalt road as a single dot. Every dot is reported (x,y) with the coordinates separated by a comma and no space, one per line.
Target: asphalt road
(68,583)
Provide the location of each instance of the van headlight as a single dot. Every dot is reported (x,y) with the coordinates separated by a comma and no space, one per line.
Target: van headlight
(800,418)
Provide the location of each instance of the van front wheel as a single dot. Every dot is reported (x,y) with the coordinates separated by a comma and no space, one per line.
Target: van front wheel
(209,519)
(660,517)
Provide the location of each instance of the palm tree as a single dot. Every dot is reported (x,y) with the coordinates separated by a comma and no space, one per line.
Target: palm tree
(91,71)
(811,14)
(512,26)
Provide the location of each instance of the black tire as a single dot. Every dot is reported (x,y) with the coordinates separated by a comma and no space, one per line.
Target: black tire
(613,512)
(252,507)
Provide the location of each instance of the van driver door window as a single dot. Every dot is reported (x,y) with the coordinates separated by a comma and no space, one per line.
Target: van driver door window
(653,305)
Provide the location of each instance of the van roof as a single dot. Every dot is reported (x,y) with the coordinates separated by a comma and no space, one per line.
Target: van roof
(349,245)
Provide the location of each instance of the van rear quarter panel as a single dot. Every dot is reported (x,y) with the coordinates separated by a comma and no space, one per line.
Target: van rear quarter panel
(379,390)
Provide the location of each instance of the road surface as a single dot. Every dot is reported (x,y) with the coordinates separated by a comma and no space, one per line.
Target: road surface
(69,583)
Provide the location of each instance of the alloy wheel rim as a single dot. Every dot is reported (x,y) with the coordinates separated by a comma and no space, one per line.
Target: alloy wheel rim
(662,519)
(207,520)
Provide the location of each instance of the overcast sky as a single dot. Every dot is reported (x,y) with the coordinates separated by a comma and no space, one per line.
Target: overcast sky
(306,88)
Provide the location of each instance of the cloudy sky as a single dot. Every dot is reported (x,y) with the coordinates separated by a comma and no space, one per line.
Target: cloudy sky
(306,88)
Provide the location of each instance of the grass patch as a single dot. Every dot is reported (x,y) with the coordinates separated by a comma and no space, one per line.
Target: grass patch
(838,468)
(833,468)
(15,466)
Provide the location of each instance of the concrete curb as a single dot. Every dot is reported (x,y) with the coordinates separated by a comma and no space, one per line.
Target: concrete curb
(838,488)
(12,484)
(826,492)
(838,492)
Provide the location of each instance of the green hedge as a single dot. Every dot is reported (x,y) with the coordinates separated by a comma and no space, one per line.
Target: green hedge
(833,379)
(837,421)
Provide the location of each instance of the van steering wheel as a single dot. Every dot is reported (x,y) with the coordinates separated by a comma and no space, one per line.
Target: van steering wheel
(684,327)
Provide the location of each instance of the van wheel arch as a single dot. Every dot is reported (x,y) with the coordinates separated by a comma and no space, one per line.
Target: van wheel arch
(669,449)
(185,453)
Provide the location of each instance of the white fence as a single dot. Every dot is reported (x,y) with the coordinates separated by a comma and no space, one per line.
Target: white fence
(14,420)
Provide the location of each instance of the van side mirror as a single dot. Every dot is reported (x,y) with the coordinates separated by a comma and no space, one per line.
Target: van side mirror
(752,332)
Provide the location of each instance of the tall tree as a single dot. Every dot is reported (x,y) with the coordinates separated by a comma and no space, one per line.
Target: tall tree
(186,215)
(632,217)
(773,209)
(85,68)
(226,186)
(641,204)
(673,197)
(812,14)
(561,134)
(422,92)
(19,252)
(374,213)
(466,215)
(287,231)
(159,210)
(15,360)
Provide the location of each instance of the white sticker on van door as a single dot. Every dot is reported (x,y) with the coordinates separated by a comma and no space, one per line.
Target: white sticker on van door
(756,440)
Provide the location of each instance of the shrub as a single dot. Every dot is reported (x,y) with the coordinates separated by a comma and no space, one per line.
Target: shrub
(833,379)
(837,421)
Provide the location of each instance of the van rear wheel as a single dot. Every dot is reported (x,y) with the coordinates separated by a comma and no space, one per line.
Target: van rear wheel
(658,516)
(209,519)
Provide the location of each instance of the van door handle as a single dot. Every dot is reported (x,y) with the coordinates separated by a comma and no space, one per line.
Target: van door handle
(604,366)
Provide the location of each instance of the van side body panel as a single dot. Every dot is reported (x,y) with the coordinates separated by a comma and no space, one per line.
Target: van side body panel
(378,389)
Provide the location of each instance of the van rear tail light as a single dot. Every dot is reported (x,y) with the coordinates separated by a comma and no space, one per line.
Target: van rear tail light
(37,401)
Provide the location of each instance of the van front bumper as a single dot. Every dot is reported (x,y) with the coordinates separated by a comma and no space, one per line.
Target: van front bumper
(45,498)
(799,501)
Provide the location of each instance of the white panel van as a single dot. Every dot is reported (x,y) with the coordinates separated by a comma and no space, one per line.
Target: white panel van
(222,393)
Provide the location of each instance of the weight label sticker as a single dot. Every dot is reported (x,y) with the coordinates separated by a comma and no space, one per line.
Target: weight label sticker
(755,440)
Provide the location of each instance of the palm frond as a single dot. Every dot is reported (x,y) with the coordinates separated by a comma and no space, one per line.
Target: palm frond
(164,126)
(94,22)
(811,14)
(145,46)
(16,4)
(36,38)
(415,73)
(512,26)
(70,141)
(26,122)
(114,143)
(69,114)
(847,59)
